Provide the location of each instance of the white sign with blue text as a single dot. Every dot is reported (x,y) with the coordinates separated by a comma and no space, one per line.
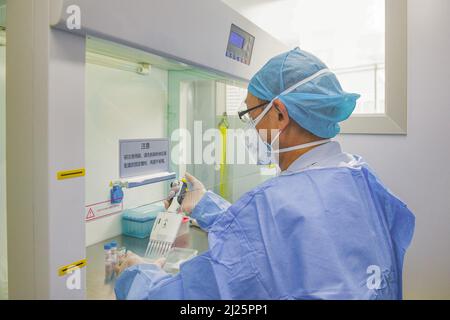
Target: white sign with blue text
(139,157)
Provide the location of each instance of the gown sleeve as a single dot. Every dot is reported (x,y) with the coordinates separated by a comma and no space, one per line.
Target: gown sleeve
(136,282)
(148,281)
(208,209)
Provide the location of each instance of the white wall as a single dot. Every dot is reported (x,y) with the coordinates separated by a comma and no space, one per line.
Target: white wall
(119,105)
(417,167)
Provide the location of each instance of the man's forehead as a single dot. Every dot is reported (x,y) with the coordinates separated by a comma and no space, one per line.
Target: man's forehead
(251,99)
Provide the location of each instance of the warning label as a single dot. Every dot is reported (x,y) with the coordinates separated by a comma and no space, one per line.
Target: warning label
(102,209)
(90,214)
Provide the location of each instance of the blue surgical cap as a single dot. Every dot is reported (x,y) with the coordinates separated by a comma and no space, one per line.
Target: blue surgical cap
(317,106)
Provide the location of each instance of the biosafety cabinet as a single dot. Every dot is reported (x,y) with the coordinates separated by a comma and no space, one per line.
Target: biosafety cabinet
(85,76)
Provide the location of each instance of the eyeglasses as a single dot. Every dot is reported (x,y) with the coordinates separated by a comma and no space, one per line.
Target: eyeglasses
(244,114)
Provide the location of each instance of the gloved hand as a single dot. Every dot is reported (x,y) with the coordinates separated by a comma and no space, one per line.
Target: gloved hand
(194,194)
(132,259)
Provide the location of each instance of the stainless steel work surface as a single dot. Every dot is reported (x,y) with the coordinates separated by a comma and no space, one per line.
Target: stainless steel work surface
(98,288)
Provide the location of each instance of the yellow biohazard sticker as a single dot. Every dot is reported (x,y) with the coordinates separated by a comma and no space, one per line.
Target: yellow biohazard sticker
(62,175)
(70,267)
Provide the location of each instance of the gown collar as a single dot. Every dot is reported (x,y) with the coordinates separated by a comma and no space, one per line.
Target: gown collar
(327,155)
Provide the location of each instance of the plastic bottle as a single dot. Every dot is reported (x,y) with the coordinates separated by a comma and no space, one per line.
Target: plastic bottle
(107,248)
(116,194)
(113,245)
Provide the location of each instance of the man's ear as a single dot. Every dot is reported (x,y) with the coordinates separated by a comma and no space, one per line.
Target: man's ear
(283,115)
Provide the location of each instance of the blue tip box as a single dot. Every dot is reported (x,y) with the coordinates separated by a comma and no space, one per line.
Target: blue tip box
(138,222)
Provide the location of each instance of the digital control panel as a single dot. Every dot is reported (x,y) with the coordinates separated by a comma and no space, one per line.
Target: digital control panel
(240,45)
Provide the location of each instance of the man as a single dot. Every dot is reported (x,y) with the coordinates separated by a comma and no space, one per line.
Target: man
(325,228)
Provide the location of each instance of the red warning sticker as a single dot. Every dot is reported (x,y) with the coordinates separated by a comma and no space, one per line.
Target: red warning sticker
(90,214)
(102,209)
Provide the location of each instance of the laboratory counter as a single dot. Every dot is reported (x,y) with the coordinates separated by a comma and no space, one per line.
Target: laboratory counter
(100,289)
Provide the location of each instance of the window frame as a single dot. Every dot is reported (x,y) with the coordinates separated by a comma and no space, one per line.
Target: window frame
(394,120)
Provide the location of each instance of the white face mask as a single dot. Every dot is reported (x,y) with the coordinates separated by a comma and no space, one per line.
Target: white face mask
(267,153)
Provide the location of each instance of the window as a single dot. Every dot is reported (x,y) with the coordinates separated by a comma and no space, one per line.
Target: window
(362,41)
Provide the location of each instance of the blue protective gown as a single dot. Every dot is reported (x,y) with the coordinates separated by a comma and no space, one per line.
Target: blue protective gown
(325,229)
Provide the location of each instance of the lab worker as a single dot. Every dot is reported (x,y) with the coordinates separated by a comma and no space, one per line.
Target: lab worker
(325,228)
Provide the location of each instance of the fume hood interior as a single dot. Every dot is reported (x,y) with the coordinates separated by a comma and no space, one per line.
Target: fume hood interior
(122,102)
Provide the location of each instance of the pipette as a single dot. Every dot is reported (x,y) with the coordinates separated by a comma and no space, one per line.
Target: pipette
(211,187)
